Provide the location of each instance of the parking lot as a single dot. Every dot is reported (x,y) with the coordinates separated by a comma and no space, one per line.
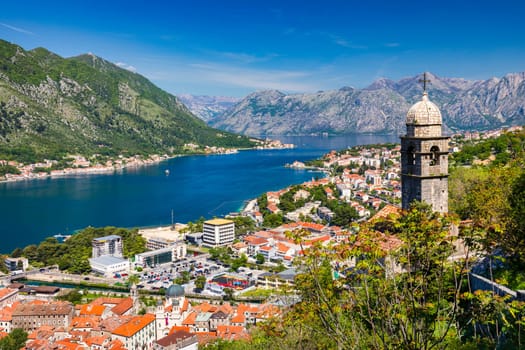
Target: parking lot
(162,276)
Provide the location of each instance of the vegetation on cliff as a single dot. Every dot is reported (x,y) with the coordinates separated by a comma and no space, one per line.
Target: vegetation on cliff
(52,106)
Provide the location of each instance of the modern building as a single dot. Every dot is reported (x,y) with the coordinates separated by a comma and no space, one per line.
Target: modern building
(108,265)
(218,232)
(30,316)
(161,256)
(108,245)
(424,156)
(14,264)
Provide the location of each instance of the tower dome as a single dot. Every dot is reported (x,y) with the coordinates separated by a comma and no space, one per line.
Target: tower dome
(424,112)
(175,291)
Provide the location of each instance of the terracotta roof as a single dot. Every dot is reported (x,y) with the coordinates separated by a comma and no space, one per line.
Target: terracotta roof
(66,344)
(205,337)
(35,308)
(230,332)
(175,337)
(387,211)
(111,323)
(239,318)
(116,344)
(84,322)
(185,306)
(90,309)
(179,328)
(122,307)
(100,340)
(136,324)
(4,292)
(252,240)
(190,319)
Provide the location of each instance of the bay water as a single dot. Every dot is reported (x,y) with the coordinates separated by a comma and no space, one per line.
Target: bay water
(196,186)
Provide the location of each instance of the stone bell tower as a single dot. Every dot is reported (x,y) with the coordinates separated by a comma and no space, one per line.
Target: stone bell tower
(424,156)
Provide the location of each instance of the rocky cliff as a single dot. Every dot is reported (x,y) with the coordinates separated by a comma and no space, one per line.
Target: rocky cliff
(379,108)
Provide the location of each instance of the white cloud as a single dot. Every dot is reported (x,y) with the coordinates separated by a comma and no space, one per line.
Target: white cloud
(232,76)
(392,44)
(126,66)
(16,29)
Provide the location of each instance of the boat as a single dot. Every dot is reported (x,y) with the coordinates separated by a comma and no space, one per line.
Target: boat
(167,172)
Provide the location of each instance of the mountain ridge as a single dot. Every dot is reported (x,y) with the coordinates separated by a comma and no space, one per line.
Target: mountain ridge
(380,107)
(52,106)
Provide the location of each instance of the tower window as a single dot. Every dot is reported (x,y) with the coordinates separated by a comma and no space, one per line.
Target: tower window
(411,159)
(434,155)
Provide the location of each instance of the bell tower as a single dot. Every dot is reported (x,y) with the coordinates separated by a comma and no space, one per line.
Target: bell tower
(424,156)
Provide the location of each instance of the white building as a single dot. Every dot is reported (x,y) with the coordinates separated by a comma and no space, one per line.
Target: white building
(108,265)
(218,232)
(107,245)
(138,333)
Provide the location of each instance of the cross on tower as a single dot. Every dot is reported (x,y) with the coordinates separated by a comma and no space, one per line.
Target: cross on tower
(424,81)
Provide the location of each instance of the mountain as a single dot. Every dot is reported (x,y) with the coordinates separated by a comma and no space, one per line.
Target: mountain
(52,106)
(380,107)
(208,107)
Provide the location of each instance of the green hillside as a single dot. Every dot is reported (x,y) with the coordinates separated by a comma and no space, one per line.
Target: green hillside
(52,106)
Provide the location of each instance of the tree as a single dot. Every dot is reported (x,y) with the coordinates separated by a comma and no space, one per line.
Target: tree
(228,293)
(259,259)
(14,340)
(273,220)
(243,225)
(133,279)
(17,252)
(200,281)
(344,215)
(369,305)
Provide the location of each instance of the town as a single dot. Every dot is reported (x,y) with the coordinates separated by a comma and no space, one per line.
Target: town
(199,282)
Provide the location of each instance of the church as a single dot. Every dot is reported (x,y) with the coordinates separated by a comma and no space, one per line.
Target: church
(424,156)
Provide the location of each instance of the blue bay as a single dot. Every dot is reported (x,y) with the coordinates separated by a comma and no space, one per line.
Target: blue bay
(196,186)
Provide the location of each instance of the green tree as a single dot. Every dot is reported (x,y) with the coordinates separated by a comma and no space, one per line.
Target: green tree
(273,220)
(243,225)
(17,252)
(259,259)
(14,340)
(200,281)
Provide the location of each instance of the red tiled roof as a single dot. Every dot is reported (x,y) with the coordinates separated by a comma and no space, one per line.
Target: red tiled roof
(179,328)
(134,325)
(90,309)
(190,319)
(122,307)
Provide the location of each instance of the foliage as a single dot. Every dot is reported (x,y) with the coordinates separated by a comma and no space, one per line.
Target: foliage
(368,306)
(73,254)
(243,225)
(14,340)
(74,296)
(259,259)
(273,220)
(200,281)
(8,169)
(503,148)
(121,112)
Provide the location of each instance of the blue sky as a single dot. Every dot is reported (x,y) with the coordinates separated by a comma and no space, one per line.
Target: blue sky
(233,48)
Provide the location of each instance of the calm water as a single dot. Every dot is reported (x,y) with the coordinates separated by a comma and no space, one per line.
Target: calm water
(196,186)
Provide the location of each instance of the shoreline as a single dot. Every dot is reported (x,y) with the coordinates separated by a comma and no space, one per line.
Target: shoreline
(134,162)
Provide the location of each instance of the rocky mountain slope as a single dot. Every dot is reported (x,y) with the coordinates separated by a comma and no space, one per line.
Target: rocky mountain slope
(52,106)
(379,108)
(208,107)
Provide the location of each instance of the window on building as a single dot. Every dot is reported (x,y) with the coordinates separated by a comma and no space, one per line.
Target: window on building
(434,155)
